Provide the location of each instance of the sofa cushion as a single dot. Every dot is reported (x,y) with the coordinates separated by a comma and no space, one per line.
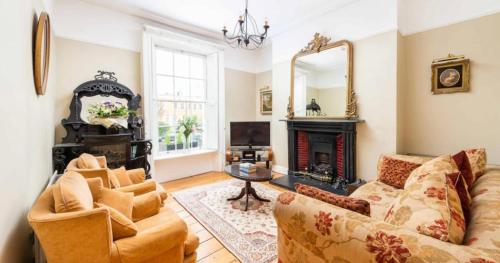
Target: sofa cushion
(430,204)
(483,230)
(463,165)
(88,161)
(72,193)
(379,195)
(121,201)
(350,203)
(477,160)
(394,169)
(121,226)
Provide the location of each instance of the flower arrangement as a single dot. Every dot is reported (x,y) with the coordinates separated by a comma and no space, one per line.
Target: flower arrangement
(108,110)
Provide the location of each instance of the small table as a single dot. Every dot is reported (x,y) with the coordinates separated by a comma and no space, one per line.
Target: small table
(261,175)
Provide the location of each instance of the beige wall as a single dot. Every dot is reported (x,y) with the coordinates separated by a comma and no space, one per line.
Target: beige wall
(240,97)
(436,124)
(27,128)
(262,80)
(78,62)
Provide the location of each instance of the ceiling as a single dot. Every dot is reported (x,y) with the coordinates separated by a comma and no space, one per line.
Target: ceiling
(212,15)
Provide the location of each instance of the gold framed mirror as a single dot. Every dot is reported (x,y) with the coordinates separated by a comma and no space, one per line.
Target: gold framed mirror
(321,81)
(42,53)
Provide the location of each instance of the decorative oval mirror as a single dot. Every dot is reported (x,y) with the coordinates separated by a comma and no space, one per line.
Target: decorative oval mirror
(42,53)
(321,81)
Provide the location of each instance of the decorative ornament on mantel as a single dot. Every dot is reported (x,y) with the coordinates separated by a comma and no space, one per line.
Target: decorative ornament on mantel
(246,33)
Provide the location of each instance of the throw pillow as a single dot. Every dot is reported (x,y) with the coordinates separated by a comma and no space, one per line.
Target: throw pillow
(462,162)
(115,183)
(121,175)
(87,161)
(350,203)
(121,226)
(393,170)
(477,160)
(121,201)
(458,181)
(443,164)
(429,204)
(72,193)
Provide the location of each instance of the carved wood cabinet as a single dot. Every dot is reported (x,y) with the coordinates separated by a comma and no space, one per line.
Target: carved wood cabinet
(122,146)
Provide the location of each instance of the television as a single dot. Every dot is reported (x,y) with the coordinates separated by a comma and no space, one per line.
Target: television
(250,134)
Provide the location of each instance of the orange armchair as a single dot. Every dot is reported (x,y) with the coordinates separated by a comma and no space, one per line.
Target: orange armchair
(86,236)
(133,181)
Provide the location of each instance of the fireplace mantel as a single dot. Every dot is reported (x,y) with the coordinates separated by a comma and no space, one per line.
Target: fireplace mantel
(345,128)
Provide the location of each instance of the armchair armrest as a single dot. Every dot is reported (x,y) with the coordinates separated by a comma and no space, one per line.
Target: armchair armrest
(317,231)
(102,161)
(83,236)
(139,189)
(170,234)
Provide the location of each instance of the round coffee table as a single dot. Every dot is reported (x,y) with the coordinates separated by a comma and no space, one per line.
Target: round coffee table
(261,175)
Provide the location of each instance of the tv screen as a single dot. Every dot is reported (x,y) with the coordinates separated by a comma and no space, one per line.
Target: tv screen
(256,133)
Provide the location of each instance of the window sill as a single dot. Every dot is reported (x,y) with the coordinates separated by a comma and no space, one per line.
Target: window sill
(184,154)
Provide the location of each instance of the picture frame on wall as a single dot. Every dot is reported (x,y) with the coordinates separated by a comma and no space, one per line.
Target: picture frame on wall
(450,74)
(266,101)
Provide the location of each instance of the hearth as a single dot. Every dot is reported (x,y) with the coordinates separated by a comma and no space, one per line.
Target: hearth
(321,153)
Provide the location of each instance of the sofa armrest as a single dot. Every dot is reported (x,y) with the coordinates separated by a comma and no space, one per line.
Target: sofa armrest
(315,231)
(136,175)
(83,236)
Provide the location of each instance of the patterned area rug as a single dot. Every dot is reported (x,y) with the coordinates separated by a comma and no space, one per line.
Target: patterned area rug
(250,235)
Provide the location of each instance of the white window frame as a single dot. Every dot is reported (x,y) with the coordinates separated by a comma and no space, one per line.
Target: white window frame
(157,99)
(153,36)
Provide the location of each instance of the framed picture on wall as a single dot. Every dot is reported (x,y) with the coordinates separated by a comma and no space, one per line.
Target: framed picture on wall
(266,101)
(450,74)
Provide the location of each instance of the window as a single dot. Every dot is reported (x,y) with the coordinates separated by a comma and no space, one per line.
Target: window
(180,96)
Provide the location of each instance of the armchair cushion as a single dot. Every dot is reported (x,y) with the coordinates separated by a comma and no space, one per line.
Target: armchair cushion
(121,175)
(72,193)
(137,176)
(120,201)
(88,161)
(430,204)
(120,225)
(139,189)
(393,170)
(146,205)
(353,204)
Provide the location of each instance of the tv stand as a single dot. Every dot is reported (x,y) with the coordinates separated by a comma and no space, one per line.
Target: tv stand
(250,155)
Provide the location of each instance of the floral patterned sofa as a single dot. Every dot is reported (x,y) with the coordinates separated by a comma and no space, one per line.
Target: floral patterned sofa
(310,230)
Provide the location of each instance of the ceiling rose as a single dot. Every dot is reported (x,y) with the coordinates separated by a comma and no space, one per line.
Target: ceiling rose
(246,32)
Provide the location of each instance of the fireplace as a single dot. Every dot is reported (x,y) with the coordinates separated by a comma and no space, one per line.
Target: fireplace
(320,153)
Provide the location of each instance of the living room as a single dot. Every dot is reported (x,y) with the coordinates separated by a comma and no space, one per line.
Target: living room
(250,131)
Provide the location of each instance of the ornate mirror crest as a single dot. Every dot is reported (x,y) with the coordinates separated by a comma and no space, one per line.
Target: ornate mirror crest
(335,61)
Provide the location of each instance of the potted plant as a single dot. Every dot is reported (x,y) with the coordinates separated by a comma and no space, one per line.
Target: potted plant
(179,141)
(187,126)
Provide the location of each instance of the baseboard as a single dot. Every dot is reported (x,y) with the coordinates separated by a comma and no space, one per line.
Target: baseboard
(280,169)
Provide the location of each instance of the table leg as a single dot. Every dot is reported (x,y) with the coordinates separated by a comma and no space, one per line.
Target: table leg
(242,193)
(254,194)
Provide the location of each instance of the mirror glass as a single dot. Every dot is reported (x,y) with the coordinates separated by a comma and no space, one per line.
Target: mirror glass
(321,83)
(99,100)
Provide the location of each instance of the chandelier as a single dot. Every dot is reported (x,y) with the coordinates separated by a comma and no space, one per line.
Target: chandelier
(246,33)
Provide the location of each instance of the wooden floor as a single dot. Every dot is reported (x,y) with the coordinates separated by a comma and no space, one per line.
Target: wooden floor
(210,249)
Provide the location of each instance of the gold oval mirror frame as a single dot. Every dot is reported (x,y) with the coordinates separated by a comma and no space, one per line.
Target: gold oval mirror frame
(317,45)
(42,53)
